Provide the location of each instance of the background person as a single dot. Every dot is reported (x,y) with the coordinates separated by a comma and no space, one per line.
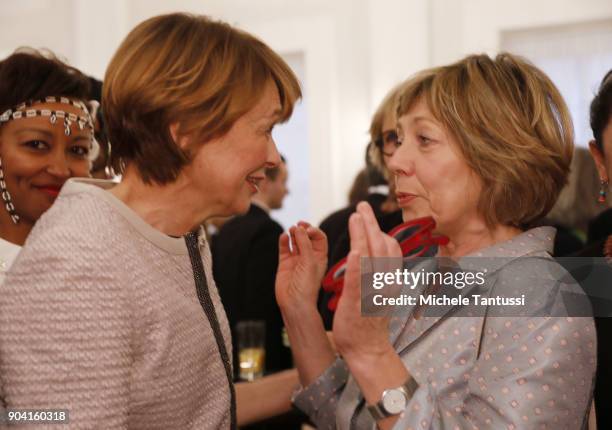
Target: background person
(37,153)
(600,245)
(600,230)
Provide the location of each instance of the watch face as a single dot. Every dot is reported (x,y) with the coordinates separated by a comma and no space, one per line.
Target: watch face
(394,401)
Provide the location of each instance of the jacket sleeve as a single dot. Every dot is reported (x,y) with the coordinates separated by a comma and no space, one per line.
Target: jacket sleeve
(319,400)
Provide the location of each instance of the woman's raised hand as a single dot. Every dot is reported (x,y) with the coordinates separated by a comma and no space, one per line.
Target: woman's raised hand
(301,266)
(353,333)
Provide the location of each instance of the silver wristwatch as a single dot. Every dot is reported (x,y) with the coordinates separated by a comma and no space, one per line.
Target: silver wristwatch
(393,401)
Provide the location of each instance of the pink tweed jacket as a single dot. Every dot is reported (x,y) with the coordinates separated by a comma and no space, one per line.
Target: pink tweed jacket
(99,316)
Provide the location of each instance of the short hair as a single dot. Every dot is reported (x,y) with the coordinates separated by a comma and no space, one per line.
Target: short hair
(186,69)
(272,172)
(386,108)
(601,109)
(512,127)
(30,74)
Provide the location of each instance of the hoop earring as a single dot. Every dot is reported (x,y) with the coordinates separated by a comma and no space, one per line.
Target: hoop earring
(6,196)
(603,191)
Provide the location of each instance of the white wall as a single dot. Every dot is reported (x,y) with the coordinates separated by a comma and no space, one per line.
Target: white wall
(49,24)
(354,50)
(575,57)
(462,27)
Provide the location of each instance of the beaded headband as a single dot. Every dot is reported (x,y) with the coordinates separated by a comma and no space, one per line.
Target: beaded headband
(21,111)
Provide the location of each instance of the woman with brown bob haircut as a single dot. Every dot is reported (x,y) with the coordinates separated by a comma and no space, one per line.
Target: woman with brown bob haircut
(485,144)
(111,311)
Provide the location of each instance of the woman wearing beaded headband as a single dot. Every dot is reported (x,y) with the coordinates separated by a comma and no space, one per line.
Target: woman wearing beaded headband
(45,138)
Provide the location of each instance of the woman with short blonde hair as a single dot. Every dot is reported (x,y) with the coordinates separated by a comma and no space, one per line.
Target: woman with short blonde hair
(485,144)
(205,87)
(507,118)
(111,312)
